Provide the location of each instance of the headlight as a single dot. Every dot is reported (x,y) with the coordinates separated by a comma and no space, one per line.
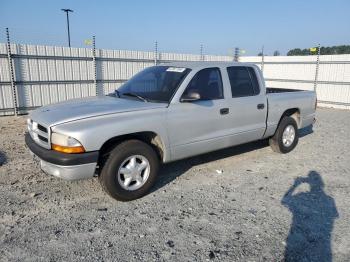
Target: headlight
(66,144)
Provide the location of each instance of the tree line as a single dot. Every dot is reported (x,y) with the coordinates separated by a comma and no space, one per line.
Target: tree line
(329,50)
(276,53)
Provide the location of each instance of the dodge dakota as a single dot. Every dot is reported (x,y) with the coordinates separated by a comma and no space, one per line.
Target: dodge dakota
(164,113)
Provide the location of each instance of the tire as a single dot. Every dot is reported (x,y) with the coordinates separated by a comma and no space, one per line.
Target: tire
(278,143)
(123,165)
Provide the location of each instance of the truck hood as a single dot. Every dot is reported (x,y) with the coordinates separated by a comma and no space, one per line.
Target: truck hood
(77,109)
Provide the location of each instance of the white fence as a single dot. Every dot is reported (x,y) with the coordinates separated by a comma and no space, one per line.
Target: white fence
(48,74)
(298,72)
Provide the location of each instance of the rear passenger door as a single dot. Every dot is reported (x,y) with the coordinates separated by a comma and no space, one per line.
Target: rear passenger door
(247,103)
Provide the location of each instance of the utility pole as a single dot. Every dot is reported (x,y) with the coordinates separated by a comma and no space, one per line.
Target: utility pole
(317,66)
(12,74)
(201,53)
(67,11)
(95,64)
(236,54)
(155,53)
(262,59)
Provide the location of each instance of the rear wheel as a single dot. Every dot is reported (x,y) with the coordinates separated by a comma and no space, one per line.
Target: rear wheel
(130,170)
(286,137)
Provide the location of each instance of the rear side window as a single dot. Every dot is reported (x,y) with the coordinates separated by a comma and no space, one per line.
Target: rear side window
(243,81)
(207,83)
(254,80)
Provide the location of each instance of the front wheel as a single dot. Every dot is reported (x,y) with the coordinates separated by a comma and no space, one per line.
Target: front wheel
(130,170)
(286,137)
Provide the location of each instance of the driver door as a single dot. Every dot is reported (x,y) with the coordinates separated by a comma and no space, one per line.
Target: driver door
(199,126)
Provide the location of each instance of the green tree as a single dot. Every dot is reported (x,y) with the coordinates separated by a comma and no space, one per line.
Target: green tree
(328,50)
(296,51)
(276,53)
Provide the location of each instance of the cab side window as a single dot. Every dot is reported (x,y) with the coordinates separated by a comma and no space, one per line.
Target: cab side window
(207,83)
(243,81)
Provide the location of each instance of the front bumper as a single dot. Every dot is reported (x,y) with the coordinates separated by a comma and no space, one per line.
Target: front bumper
(69,172)
(66,166)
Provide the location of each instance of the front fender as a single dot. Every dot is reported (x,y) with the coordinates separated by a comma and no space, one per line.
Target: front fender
(93,132)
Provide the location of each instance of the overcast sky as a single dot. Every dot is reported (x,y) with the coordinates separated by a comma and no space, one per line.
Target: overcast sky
(179,25)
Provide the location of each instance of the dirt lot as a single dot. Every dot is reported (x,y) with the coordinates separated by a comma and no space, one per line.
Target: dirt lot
(255,210)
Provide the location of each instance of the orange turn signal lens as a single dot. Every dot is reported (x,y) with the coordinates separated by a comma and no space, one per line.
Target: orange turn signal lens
(68,150)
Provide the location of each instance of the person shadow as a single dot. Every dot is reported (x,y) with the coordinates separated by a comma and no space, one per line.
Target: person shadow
(314,213)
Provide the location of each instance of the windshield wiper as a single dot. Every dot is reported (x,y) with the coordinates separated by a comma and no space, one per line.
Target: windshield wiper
(135,95)
(116,93)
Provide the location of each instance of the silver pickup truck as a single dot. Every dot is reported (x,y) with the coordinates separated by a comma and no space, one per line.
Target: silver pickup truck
(164,113)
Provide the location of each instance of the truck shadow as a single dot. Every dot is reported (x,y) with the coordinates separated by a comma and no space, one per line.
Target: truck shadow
(171,171)
(305,131)
(3,158)
(313,213)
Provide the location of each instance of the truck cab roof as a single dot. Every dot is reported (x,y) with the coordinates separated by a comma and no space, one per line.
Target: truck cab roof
(205,64)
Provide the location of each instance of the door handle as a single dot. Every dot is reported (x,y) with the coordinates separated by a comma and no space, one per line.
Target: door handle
(260,106)
(224,111)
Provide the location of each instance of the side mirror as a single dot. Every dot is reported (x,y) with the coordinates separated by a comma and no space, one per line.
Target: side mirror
(190,97)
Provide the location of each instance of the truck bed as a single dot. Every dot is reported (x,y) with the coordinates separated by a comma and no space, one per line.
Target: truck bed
(270,90)
(281,99)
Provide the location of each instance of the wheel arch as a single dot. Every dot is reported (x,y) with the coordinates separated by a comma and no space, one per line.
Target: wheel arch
(293,113)
(149,137)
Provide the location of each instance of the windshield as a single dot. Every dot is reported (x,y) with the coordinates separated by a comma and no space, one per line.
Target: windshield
(154,84)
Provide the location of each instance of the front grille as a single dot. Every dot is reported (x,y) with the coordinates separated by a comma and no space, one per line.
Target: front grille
(41,128)
(43,138)
(39,133)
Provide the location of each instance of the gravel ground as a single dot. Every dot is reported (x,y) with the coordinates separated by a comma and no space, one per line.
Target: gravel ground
(257,209)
